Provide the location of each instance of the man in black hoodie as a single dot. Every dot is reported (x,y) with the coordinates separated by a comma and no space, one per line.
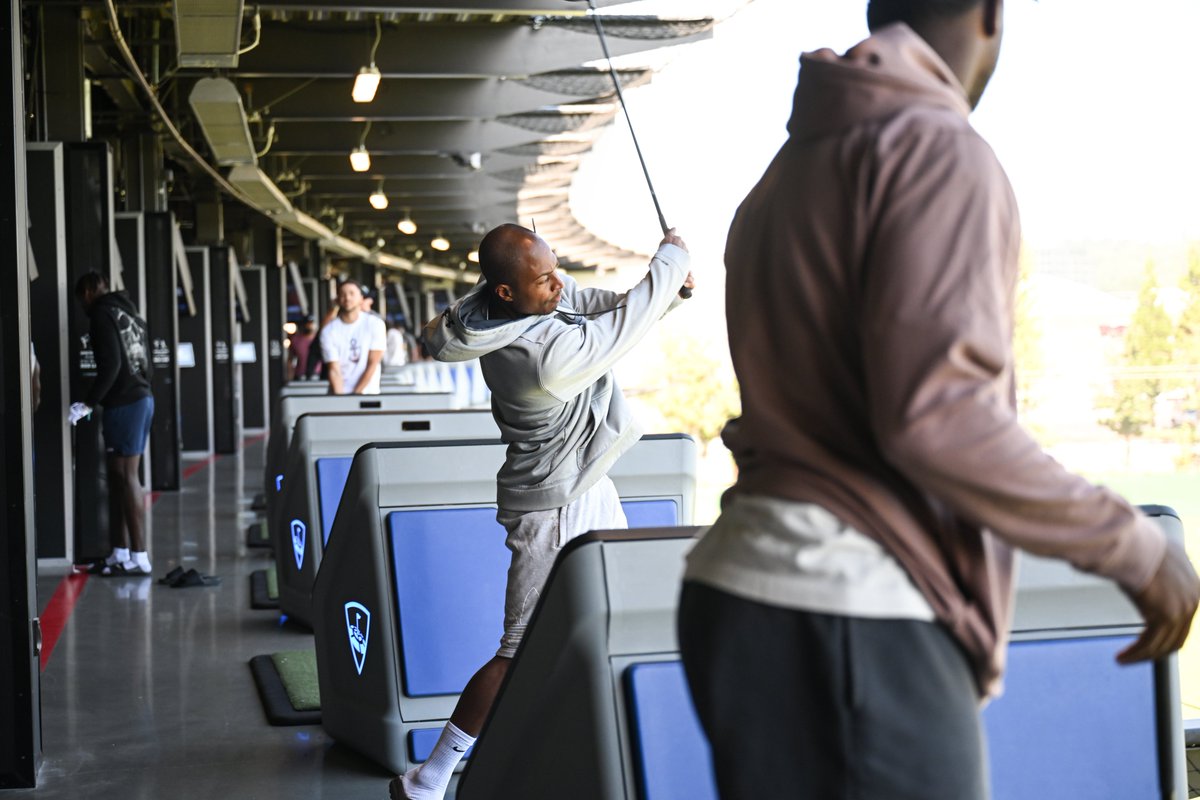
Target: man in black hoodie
(122,386)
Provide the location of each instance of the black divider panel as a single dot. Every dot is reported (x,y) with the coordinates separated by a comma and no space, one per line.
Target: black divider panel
(48,298)
(254,333)
(195,382)
(89,238)
(276,294)
(225,397)
(163,321)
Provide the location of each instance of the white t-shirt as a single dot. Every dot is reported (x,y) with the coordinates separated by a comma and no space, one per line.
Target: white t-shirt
(799,556)
(348,344)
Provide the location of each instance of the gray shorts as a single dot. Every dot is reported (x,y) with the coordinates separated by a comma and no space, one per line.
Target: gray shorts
(535,537)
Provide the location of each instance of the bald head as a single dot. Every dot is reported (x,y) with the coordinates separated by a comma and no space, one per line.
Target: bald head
(503,253)
(520,269)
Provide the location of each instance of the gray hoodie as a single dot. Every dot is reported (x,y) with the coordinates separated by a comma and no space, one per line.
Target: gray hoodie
(553,393)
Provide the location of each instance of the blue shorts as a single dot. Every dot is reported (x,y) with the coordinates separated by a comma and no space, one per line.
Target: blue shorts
(127,427)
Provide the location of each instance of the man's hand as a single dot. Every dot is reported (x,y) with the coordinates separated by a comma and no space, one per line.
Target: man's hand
(673,238)
(77,412)
(688,284)
(1167,604)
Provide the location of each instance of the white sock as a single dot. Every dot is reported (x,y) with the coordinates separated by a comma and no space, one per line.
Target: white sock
(429,781)
(142,559)
(119,555)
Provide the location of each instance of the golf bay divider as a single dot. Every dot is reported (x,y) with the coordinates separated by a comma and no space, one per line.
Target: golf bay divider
(596,706)
(292,407)
(464,379)
(409,599)
(319,457)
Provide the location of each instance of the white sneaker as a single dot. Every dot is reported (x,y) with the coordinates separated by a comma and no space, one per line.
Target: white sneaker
(403,787)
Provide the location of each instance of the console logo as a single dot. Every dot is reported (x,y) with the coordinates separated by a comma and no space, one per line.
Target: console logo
(299,538)
(358,628)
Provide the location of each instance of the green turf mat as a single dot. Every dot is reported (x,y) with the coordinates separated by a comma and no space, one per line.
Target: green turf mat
(257,535)
(272,582)
(298,671)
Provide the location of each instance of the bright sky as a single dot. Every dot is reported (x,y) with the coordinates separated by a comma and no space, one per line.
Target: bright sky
(1093,112)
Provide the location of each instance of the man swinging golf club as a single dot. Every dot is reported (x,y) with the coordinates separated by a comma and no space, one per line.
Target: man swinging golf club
(547,349)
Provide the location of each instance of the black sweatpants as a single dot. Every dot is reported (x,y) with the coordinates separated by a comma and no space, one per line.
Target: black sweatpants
(820,707)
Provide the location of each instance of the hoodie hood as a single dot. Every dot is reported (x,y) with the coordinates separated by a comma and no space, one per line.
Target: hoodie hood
(463,332)
(893,70)
(116,300)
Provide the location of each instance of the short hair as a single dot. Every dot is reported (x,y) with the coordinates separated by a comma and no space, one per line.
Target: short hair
(885,12)
(350,282)
(90,282)
(501,255)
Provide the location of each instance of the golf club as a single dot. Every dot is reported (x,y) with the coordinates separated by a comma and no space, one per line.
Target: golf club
(662,220)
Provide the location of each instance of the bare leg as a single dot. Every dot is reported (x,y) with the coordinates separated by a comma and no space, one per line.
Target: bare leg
(116,503)
(131,501)
(477,699)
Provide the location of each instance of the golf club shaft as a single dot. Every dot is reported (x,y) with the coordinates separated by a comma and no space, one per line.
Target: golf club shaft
(662,220)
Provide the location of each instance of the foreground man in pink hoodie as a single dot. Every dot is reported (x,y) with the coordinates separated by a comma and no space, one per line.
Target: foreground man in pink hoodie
(843,618)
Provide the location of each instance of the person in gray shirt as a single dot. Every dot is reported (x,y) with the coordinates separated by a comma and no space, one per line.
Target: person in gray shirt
(547,349)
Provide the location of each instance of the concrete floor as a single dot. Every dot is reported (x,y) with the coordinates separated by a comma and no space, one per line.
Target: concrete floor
(148,693)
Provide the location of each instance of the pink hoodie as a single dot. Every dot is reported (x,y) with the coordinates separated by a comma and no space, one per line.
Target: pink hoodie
(870,289)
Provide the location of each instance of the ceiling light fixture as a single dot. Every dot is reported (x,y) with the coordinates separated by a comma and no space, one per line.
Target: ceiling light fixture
(440,243)
(360,159)
(378,199)
(366,82)
(407,225)
(473,256)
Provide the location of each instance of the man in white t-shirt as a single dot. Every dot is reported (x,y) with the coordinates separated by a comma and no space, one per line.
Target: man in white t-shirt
(352,345)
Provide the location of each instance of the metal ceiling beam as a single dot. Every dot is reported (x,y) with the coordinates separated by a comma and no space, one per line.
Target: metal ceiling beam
(434,50)
(449,7)
(397,198)
(399,138)
(401,98)
(431,166)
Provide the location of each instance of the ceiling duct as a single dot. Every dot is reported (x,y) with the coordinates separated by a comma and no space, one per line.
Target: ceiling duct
(254,183)
(208,33)
(218,108)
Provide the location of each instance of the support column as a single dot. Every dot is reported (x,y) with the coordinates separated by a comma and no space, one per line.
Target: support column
(145,189)
(267,249)
(50,294)
(162,302)
(195,367)
(226,398)
(61,105)
(255,390)
(20,719)
(89,196)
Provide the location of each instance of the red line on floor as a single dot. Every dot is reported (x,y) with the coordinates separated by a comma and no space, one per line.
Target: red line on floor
(58,611)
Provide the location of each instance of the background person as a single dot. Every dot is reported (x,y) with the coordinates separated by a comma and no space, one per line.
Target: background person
(299,345)
(841,620)
(352,344)
(396,354)
(122,387)
(547,349)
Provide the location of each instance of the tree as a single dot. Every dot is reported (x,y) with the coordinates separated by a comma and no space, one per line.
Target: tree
(1187,357)
(1149,341)
(1149,344)
(698,392)
(1027,339)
